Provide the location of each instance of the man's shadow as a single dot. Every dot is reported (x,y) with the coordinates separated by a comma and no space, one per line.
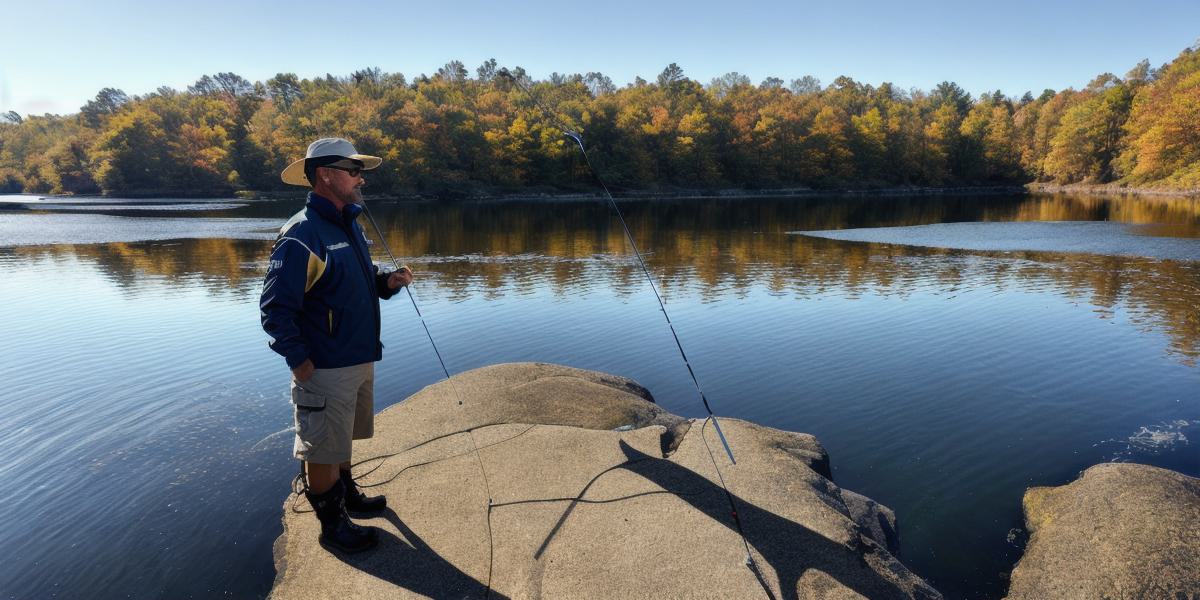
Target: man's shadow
(411,564)
(790,548)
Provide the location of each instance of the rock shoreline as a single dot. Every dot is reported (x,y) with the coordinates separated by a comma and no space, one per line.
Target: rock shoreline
(594,490)
(532,480)
(1120,530)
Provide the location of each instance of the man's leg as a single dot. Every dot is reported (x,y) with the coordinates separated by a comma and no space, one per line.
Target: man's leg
(325,406)
(321,477)
(364,427)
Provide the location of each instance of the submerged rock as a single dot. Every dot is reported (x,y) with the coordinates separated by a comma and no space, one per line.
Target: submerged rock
(1119,531)
(594,492)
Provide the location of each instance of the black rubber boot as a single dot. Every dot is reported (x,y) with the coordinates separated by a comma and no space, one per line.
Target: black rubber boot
(358,502)
(337,530)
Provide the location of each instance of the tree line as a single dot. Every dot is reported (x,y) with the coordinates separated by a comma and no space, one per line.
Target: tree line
(456,133)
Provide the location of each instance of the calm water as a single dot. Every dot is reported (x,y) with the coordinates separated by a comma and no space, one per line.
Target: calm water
(946,368)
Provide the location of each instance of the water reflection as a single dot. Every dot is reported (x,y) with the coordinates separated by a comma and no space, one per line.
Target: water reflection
(219,265)
(712,250)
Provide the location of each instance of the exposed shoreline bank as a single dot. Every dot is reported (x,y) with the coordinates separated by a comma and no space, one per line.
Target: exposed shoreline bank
(1108,189)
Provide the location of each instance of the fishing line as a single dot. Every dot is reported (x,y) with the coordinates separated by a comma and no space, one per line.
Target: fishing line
(298,489)
(578,139)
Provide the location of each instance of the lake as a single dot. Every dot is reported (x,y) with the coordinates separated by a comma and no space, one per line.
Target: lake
(948,351)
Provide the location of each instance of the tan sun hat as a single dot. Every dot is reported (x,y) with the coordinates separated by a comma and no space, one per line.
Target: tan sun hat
(328,151)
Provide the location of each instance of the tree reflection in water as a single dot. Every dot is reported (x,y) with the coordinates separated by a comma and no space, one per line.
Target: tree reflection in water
(711,250)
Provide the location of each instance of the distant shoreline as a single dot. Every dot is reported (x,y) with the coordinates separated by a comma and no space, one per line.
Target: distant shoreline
(542,194)
(676,194)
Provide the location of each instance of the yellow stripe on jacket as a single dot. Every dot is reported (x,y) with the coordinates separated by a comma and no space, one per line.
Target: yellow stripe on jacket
(316,268)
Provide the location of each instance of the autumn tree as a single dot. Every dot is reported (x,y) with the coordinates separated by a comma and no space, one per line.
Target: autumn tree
(1163,132)
(1089,134)
(805,85)
(106,103)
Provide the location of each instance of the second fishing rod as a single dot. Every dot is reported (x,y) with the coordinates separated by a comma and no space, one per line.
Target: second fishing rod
(577,138)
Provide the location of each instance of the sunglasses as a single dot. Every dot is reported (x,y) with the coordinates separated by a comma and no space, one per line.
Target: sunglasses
(353,171)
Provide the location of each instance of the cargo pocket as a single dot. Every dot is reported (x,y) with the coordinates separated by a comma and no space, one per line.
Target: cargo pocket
(311,425)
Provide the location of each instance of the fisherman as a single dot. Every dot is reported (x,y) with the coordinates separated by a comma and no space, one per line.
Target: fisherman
(320,305)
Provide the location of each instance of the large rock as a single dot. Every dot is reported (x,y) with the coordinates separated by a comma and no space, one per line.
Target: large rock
(1119,531)
(595,492)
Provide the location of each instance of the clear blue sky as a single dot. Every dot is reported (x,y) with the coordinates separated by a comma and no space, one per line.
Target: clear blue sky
(56,54)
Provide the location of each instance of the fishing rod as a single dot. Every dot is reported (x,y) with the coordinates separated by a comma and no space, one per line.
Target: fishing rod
(578,139)
(737,520)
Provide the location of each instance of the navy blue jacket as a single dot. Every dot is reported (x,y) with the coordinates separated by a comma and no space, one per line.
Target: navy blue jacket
(320,299)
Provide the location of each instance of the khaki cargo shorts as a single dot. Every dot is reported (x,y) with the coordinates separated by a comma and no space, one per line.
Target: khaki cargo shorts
(333,407)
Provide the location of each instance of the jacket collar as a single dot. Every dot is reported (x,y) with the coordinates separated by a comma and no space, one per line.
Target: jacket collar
(325,207)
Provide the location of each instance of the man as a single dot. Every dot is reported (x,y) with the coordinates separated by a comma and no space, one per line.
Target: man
(320,305)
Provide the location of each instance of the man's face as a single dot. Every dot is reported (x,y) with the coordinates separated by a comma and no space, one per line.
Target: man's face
(342,185)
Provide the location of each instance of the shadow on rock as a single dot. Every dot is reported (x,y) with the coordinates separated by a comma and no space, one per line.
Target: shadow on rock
(410,563)
(790,548)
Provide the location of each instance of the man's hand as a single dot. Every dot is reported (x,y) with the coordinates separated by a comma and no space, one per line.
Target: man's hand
(400,278)
(304,371)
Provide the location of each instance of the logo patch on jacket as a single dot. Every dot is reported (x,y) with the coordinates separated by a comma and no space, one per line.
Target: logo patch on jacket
(337,246)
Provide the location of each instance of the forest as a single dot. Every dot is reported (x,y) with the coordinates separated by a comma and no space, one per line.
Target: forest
(454,133)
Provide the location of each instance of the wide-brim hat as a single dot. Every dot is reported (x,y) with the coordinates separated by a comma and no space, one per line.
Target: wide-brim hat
(327,151)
